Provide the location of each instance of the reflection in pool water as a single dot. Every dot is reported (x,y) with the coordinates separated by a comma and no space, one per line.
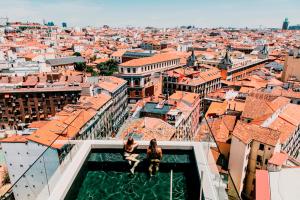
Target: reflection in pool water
(106,176)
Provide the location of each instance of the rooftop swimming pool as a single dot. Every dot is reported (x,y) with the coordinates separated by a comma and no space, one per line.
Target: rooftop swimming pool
(105,175)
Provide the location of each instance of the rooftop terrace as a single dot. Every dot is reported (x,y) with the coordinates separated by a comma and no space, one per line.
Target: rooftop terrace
(99,171)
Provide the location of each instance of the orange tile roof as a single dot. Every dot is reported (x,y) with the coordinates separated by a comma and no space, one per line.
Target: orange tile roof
(94,102)
(37,124)
(248,132)
(278,159)
(111,83)
(287,121)
(14,139)
(188,97)
(150,60)
(222,127)
(118,53)
(216,108)
(65,126)
(100,60)
(235,105)
(67,123)
(256,107)
(149,128)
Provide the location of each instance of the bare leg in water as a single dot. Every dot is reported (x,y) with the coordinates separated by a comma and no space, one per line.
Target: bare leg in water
(133,158)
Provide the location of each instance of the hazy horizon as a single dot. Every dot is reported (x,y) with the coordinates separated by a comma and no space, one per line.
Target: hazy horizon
(166,13)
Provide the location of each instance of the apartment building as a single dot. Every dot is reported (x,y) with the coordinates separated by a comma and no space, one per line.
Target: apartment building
(37,97)
(136,54)
(181,110)
(153,45)
(90,119)
(116,88)
(251,148)
(233,65)
(139,74)
(117,55)
(65,63)
(200,80)
(263,119)
(291,66)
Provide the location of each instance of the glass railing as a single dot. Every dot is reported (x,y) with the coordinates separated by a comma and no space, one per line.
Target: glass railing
(39,179)
(220,173)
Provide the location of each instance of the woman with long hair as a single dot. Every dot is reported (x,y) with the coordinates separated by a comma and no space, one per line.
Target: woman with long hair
(154,155)
(129,146)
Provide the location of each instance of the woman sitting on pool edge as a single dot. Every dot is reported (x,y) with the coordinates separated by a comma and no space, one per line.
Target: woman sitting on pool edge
(154,155)
(129,154)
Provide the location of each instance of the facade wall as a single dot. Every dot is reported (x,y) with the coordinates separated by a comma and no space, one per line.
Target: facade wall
(257,153)
(292,145)
(171,85)
(118,59)
(238,161)
(140,81)
(28,107)
(149,68)
(119,107)
(291,68)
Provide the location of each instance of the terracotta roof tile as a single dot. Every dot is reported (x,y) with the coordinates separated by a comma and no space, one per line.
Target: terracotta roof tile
(149,60)
(248,132)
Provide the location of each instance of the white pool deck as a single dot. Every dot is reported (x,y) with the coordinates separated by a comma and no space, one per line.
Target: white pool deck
(213,187)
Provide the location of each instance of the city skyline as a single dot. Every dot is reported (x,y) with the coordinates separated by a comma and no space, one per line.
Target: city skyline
(217,13)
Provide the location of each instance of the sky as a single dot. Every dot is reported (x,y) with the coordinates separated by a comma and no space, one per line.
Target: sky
(158,13)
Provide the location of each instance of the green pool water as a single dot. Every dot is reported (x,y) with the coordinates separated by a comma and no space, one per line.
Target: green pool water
(117,185)
(105,176)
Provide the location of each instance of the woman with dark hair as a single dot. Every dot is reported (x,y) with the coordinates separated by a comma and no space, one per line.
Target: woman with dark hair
(154,155)
(129,146)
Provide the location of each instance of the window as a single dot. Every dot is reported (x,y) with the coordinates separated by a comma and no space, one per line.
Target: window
(261,147)
(122,70)
(266,161)
(133,70)
(136,82)
(137,93)
(259,158)
(128,70)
